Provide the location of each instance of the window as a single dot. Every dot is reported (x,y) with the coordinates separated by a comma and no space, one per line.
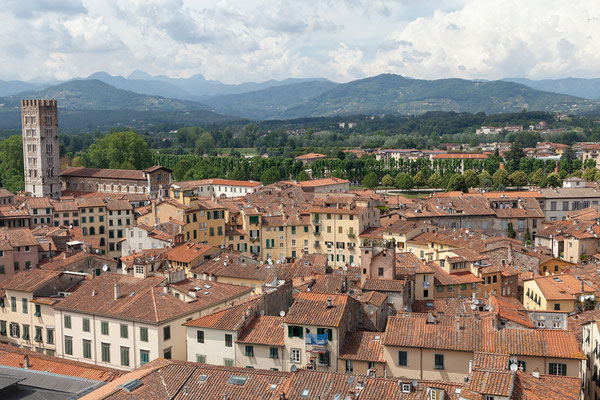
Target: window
(38,334)
(324,358)
(87,349)
(228,340)
(105,350)
(200,358)
(349,366)
(15,330)
(200,336)
(104,327)
(228,362)
(13,304)
(24,303)
(69,345)
(295,331)
(402,358)
(249,351)
(26,332)
(439,361)
(167,354)
(86,325)
(380,272)
(557,306)
(295,356)
(38,311)
(50,335)
(558,369)
(3,328)
(144,334)
(124,332)
(274,353)
(125,356)
(166,333)
(68,321)
(144,356)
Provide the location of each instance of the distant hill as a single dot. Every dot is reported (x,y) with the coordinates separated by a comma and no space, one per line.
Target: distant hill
(586,88)
(390,93)
(8,88)
(271,103)
(92,104)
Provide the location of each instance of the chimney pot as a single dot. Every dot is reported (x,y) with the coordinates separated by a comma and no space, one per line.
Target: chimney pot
(26,361)
(117,290)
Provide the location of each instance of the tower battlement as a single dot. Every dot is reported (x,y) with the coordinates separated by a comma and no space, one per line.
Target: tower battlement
(38,102)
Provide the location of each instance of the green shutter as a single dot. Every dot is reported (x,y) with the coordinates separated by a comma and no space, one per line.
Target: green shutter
(301,332)
(290,331)
(330,334)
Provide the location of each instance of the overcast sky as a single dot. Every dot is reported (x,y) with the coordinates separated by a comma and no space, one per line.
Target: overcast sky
(255,40)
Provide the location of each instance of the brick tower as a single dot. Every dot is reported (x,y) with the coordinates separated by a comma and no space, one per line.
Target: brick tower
(41,161)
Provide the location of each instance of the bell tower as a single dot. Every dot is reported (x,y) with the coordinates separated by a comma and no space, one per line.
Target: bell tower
(39,119)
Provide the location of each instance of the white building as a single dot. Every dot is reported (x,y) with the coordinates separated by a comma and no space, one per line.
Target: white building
(214,187)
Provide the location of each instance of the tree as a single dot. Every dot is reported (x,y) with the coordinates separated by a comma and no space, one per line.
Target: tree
(371,180)
(181,168)
(471,178)
(518,178)
(483,177)
(404,181)
(510,232)
(11,163)
(435,180)
(500,177)
(566,160)
(205,143)
(514,155)
(457,183)
(553,180)
(119,150)
(419,179)
(537,177)
(387,181)
(270,175)
(302,176)
(527,238)
(589,174)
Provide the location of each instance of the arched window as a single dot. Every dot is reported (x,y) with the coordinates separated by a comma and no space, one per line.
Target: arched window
(92,230)
(84,231)
(102,242)
(101,229)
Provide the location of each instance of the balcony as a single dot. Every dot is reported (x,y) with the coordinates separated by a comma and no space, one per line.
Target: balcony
(316,222)
(317,233)
(254,239)
(351,235)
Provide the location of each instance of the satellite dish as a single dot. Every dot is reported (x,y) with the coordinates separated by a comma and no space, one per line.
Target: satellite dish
(262,312)
(352,264)
(293,368)
(473,307)
(345,268)
(415,383)
(282,313)
(514,367)
(105,268)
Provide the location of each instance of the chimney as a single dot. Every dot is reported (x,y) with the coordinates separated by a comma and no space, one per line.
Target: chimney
(458,327)
(94,292)
(26,361)
(329,305)
(536,373)
(117,290)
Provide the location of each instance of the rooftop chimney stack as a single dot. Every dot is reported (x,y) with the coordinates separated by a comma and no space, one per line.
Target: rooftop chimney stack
(117,290)
(329,305)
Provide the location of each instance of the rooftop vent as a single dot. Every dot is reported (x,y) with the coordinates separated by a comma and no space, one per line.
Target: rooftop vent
(131,385)
(237,380)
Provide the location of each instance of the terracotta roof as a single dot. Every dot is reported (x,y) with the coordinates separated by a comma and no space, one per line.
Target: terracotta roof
(28,280)
(363,346)
(482,360)
(13,357)
(491,382)
(410,330)
(38,202)
(19,237)
(384,285)
(60,263)
(443,278)
(546,387)
(561,287)
(83,172)
(375,298)
(187,252)
(310,308)
(310,156)
(322,182)
(165,379)
(264,330)
(214,181)
(512,310)
(228,319)
(118,205)
(142,299)
(409,260)
(460,156)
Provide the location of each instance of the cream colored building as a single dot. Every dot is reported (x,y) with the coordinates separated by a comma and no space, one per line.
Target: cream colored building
(122,322)
(337,220)
(27,313)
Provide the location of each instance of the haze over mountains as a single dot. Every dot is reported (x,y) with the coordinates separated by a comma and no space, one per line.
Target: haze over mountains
(142,99)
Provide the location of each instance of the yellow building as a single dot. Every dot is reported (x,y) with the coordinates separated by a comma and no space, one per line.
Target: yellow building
(557,292)
(92,219)
(205,223)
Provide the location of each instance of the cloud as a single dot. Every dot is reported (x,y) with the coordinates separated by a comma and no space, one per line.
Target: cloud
(258,40)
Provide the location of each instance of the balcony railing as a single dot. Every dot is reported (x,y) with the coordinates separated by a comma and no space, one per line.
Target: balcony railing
(317,233)
(316,221)
(351,235)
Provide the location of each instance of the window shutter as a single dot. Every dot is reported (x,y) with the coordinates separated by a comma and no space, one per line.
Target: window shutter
(290,331)
(330,334)
(301,333)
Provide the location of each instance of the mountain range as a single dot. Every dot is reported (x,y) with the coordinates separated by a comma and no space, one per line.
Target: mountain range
(141,100)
